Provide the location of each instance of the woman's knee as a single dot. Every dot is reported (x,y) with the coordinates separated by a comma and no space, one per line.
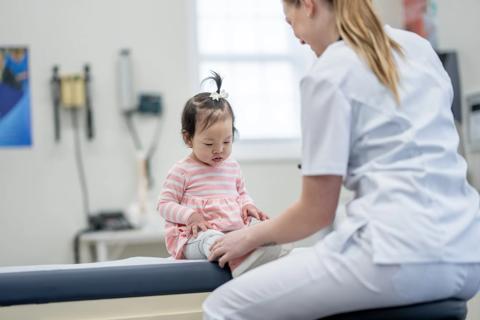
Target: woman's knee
(209,305)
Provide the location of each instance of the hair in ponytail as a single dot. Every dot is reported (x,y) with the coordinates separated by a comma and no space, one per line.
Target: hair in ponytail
(360,27)
(206,108)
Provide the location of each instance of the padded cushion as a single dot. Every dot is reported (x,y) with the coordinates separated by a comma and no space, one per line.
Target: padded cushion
(450,309)
(110,282)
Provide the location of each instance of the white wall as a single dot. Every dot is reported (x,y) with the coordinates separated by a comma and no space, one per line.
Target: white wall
(40,206)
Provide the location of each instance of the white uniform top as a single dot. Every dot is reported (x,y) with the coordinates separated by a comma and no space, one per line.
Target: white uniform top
(400,160)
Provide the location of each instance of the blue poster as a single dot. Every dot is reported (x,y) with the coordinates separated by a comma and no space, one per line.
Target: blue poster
(15,121)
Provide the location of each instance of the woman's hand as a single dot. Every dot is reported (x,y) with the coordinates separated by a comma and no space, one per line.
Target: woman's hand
(233,245)
(196,223)
(250,210)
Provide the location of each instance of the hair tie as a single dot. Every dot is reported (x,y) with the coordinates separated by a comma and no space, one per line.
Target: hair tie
(217,95)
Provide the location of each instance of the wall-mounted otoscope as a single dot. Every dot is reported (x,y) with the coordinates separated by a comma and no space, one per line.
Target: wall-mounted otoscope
(72,92)
(129,101)
(141,108)
(141,105)
(126,95)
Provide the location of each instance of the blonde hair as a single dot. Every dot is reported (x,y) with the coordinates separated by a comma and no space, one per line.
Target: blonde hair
(360,27)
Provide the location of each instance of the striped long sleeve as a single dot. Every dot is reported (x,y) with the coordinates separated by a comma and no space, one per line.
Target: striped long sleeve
(242,191)
(169,202)
(216,192)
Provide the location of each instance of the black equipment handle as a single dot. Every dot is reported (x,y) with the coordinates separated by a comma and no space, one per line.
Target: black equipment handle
(88,104)
(55,87)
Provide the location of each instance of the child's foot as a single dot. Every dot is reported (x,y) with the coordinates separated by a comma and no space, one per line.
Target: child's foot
(258,257)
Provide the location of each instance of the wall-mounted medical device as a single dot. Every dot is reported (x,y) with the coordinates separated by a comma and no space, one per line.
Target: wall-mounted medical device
(126,91)
(139,110)
(473,109)
(129,101)
(72,92)
(132,104)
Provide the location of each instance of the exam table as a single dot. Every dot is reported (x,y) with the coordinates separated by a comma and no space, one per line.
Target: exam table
(148,289)
(136,288)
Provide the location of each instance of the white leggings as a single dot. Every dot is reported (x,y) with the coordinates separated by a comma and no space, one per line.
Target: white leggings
(321,281)
(199,248)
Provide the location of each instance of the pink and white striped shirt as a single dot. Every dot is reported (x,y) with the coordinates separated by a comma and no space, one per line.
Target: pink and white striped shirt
(218,193)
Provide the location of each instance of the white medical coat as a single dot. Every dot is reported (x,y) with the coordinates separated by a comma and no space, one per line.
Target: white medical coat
(401,160)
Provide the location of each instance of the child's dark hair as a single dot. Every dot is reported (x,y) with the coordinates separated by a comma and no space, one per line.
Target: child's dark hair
(212,109)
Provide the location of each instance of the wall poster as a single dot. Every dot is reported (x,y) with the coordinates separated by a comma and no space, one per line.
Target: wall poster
(420,17)
(15,113)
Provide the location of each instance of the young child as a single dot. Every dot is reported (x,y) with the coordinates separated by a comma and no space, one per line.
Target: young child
(204,194)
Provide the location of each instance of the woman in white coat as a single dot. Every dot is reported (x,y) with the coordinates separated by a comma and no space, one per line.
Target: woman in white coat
(376,117)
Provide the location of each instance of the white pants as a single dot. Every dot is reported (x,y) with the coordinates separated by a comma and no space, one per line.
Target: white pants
(324,280)
(199,248)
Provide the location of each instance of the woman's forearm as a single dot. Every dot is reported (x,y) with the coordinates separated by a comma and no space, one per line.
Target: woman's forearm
(294,224)
(313,211)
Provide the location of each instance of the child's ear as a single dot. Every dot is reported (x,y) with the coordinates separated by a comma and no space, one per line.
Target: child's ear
(186,138)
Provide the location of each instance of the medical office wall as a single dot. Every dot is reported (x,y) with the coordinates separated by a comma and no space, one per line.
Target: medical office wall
(40,200)
(40,194)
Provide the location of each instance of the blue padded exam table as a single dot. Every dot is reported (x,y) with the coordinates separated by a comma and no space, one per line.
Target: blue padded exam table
(151,291)
(148,289)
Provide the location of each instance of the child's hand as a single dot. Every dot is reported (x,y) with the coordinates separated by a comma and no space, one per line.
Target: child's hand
(197,223)
(250,210)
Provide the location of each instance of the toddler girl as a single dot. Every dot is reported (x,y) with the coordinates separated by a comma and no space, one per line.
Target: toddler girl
(204,194)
